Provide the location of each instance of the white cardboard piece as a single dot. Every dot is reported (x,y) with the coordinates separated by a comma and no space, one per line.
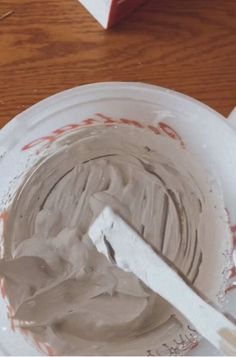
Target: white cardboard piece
(100,9)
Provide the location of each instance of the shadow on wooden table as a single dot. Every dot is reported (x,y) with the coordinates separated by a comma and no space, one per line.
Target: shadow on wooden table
(167,18)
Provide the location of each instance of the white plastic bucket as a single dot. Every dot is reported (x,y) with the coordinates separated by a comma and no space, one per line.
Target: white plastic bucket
(29,135)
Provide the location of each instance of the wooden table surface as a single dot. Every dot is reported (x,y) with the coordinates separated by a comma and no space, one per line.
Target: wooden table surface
(47,46)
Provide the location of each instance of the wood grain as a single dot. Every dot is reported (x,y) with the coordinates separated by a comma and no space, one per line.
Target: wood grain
(49,46)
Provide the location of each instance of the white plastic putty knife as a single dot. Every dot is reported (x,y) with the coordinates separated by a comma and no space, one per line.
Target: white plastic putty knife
(123,246)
